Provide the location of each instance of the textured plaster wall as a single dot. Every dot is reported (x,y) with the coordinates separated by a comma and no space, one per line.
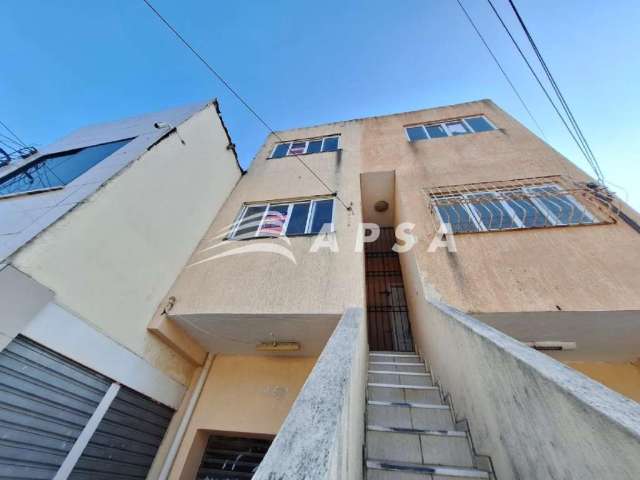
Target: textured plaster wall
(242,394)
(573,268)
(112,259)
(267,283)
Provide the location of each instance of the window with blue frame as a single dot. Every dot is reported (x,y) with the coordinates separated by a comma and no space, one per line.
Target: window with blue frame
(302,217)
(57,169)
(329,143)
(451,128)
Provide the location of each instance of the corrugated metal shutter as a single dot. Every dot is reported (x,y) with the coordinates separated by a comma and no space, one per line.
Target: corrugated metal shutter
(45,401)
(126,440)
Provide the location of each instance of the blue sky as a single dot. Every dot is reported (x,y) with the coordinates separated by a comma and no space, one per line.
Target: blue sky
(68,64)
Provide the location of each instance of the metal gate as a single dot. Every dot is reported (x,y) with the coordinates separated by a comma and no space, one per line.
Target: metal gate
(387,311)
(52,425)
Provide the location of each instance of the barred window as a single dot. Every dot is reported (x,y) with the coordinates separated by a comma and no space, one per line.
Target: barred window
(509,208)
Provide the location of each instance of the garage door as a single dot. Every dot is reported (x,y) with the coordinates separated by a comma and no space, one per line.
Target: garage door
(61,420)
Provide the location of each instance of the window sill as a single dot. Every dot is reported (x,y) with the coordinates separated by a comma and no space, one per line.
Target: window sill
(456,136)
(305,154)
(272,237)
(30,192)
(528,229)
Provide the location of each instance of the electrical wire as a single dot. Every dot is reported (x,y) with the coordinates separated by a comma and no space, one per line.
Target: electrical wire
(4,138)
(9,146)
(13,133)
(557,90)
(575,136)
(504,73)
(240,99)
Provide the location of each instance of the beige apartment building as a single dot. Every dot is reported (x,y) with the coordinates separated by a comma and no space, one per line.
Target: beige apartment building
(542,254)
(434,294)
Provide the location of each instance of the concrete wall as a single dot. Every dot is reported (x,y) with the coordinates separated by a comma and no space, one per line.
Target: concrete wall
(537,418)
(244,395)
(624,378)
(323,434)
(112,259)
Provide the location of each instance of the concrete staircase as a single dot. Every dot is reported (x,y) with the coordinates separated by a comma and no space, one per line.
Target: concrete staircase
(411,433)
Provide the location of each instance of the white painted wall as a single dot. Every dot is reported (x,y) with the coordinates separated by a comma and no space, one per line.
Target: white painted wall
(21,298)
(112,259)
(63,332)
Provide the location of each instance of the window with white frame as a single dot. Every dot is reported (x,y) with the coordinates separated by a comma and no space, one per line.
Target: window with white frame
(533,206)
(450,128)
(302,217)
(329,143)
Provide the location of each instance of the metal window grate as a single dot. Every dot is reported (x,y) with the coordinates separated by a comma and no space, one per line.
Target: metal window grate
(232,458)
(520,204)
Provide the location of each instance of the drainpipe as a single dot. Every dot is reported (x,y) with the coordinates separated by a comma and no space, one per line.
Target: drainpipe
(182,428)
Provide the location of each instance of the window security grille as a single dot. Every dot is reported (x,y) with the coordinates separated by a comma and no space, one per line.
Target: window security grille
(232,458)
(517,204)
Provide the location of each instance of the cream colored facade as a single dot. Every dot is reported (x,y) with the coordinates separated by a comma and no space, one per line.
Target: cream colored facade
(577,283)
(129,240)
(83,280)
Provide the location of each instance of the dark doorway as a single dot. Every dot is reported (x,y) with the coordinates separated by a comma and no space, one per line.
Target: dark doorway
(387,311)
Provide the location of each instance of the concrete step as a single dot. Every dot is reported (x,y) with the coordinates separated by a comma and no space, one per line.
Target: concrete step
(400,378)
(394,392)
(392,352)
(409,374)
(395,356)
(438,447)
(384,470)
(409,415)
(398,366)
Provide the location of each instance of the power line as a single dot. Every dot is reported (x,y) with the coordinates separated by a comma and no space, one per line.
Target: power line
(240,99)
(575,136)
(8,145)
(556,88)
(14,143)
(495,59)
(13,133)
